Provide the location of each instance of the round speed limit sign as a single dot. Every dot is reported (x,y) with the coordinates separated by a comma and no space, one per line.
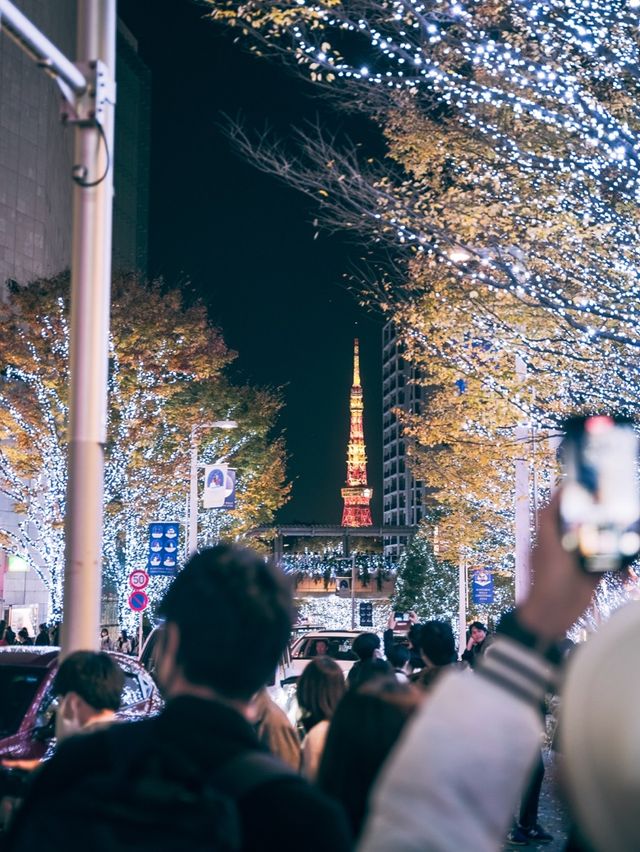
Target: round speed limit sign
(138,579)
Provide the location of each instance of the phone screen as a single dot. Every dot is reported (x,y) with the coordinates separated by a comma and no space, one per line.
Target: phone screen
(600,497)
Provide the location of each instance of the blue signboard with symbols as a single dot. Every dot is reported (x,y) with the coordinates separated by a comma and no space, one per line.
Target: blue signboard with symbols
(164,544)
(482,587)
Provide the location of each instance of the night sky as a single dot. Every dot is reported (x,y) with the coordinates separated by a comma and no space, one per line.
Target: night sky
(245,242)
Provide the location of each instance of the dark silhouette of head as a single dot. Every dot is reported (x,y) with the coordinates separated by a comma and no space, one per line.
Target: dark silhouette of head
(232,610)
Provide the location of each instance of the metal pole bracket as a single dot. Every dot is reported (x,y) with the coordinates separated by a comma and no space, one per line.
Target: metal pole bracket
(88,108)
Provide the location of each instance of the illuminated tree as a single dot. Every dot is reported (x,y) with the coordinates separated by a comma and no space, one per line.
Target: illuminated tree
(508,203)
(426,584)
(166,374)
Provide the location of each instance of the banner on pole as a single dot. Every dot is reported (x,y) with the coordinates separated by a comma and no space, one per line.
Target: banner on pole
(219,487)
(164,540)
(482,587)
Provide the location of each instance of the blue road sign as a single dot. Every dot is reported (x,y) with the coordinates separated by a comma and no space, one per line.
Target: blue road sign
(164,545)
(138,601)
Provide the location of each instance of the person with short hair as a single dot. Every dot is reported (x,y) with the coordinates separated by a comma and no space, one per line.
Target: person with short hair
(43,635)
(89,687)
(202,746)
(366,647)
(438,651)
(399,656)
(477,644)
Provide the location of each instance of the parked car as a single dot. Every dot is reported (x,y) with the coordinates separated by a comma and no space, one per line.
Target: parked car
(27,702)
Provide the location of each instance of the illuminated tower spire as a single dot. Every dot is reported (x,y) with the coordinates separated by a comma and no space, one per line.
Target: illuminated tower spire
(357,494)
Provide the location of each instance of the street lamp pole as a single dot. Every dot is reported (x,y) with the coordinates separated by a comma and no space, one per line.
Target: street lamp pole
(193,478)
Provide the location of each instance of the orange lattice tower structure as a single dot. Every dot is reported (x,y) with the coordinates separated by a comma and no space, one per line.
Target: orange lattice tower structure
(357,494)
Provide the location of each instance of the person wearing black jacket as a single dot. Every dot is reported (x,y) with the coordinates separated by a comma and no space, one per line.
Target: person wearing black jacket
(202,745)
(477,644)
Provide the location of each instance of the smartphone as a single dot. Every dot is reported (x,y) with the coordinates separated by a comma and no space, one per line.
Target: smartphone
(600,493)
(401,616)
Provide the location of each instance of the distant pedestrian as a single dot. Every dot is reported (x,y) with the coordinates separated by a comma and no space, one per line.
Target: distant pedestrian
(3,630)
(477,644)
(105,640)
(438,649)
(43,636)
(123,643)
(366,647)
(9,636)
(399,656)
(23,637)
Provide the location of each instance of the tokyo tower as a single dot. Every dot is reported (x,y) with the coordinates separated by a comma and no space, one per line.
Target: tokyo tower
(357,494)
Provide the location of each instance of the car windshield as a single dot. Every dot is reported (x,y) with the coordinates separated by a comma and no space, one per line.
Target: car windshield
(337,647)
(18,686)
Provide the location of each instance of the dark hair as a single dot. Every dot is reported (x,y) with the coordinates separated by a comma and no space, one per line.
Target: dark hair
(437,642)
(478,626)
(96,677)
(399,656)
(319,689)
(363,731)
(414,635)
(367,670)
(229,597)
(365,644)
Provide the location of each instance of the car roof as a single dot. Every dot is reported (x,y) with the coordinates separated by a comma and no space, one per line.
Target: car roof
(45,656)
(323,634)
(34,656)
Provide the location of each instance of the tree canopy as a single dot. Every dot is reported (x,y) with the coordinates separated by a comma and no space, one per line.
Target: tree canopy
(166,374)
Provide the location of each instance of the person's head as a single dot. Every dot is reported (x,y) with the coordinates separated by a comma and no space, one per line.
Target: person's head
(365,645)
(414,636)
(399,656)
(364,729)
(227,621)
(89,685)
(43,628)
(319,689)
(104,633)
(371,669)
(478,631)
(23,633)
(437,643)
(321,647)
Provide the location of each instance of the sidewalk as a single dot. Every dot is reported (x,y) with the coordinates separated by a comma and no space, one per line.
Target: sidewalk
(552,813)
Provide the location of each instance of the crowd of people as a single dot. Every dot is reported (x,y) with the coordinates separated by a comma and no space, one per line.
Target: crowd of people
(415,750)
(46,635)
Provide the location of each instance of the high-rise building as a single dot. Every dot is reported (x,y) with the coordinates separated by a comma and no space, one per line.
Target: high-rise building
(36,154)
(403,496)
(357,494)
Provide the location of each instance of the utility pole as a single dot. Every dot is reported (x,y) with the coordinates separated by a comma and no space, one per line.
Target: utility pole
(522,506)
(88,90)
